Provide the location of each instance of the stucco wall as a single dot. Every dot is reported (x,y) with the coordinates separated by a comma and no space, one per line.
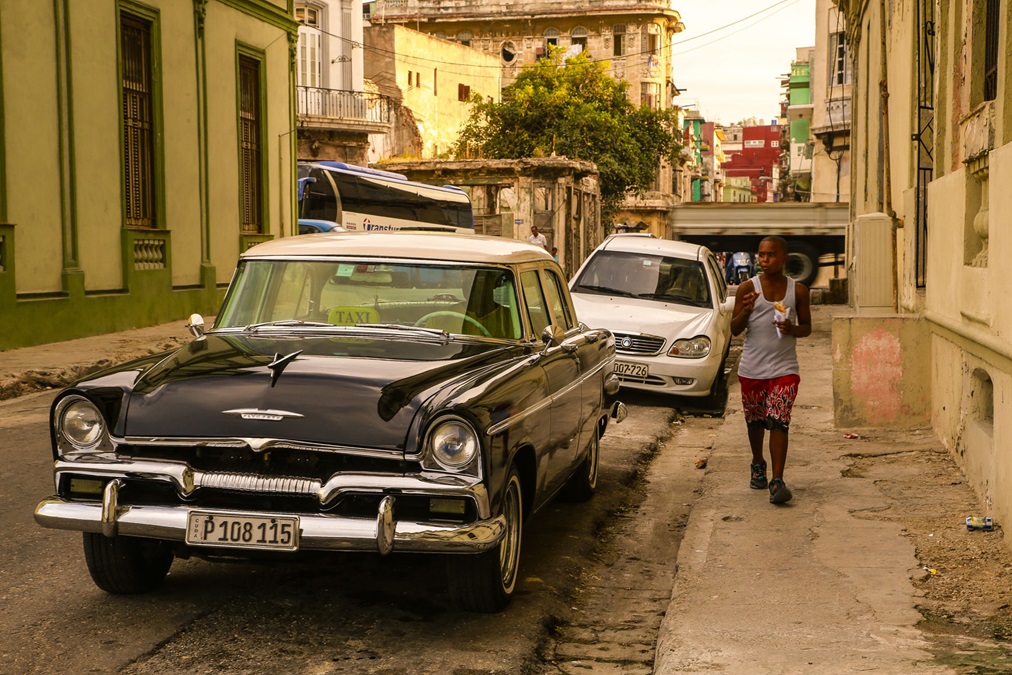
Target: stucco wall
(881,372)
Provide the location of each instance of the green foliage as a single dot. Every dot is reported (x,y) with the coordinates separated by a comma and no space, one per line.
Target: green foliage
(573,108)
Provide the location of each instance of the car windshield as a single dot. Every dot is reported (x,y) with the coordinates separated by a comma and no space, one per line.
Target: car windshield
(287,294)
(637,275)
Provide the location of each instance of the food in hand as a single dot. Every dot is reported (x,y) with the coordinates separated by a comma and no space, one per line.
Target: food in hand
(779,306)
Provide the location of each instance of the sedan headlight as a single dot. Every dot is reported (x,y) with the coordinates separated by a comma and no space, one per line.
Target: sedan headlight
(694,348)
(452,443)
(79,423)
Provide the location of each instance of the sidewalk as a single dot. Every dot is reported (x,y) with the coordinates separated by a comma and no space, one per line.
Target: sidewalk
(54,365)
(808,587)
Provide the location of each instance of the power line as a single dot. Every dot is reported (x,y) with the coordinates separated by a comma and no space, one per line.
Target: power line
(735,32)
(733,23)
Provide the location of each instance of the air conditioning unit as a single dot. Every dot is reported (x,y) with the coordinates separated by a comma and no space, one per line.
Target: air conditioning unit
(874,264)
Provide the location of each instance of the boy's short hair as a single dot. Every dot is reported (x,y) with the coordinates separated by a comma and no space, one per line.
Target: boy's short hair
(778,240)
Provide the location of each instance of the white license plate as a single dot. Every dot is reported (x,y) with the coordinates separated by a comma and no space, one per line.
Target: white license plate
(631,369)
(279,533)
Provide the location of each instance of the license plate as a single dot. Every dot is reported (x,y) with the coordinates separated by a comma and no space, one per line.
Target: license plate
(631,369)
(279,533)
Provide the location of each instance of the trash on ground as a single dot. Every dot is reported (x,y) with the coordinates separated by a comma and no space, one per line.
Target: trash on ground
(851,436)
(930,570)
(701,464)
(979,523)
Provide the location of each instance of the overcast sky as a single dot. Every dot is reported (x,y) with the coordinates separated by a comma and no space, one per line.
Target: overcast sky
(738,75)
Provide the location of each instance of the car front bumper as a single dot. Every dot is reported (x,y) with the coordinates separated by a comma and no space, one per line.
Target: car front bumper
(318,531)
(671,375)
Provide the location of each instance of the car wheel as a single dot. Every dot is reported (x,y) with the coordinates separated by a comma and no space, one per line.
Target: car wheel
(583,483)
(126,564)
(484,582)
(802,263)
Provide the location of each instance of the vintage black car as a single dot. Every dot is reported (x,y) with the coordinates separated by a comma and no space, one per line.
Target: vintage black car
(357,392)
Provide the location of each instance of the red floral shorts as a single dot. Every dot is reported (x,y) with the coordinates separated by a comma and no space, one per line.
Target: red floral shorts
(768,403)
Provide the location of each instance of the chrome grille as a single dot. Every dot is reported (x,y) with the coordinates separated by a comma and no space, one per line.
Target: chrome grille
(245,482)
(634,343)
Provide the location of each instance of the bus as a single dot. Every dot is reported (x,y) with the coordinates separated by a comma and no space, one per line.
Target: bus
(363,199)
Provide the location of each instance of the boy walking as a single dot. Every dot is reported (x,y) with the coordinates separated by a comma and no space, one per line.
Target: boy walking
(776,311)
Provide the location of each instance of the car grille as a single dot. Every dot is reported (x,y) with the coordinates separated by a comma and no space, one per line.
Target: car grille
(633,343)
(651,380)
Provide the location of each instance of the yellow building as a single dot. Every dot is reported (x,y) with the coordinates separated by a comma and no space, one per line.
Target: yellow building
(932,342)
(142,147)
(430,81)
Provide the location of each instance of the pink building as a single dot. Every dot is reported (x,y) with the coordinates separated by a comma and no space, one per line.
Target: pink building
(758,160)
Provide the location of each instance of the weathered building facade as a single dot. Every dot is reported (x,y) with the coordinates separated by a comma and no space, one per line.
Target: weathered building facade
(634,36)
(336,111)
(931,341)
(143,146)
(429,82)
(560,196)
(832,79)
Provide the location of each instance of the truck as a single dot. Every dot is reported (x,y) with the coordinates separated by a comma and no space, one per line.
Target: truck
(815,231)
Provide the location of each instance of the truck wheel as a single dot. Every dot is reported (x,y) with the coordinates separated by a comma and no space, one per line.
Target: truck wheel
(126,564)
(802,263)
(484,582)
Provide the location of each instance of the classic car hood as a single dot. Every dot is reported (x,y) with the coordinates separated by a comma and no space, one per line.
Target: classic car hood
(634,315)
(359,392)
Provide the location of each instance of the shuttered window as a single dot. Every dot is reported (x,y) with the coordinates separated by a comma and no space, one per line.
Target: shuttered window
(992,28)
(138,124)
(250,189)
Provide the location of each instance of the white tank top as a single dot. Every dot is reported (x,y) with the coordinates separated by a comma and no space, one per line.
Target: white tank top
(766,354)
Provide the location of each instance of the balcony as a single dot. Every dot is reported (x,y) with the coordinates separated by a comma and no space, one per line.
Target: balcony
(342,110)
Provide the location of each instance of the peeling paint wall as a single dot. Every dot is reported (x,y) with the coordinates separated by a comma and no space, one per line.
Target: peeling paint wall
(881,372)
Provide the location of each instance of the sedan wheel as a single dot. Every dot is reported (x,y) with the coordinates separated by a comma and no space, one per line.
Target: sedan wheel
(126,564)
(485,582)
(583,483)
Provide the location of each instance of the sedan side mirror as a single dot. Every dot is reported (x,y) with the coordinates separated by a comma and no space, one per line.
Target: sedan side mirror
(196,325)
(552,336)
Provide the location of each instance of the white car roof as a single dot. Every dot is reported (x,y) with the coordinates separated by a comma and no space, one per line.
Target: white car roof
(638,243)
(468,248)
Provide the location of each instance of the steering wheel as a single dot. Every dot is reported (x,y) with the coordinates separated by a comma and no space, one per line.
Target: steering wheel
(457,315)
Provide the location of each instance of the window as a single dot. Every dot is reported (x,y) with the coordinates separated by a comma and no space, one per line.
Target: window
(618,40)
(650,95)
(309,62)
(250,149)
(579,37)
(138,122)
(557,302)
(463,92)
(652,44)
(551,40)
(537,311)
(991,50)
(508,52)
(464,37)
(839,64)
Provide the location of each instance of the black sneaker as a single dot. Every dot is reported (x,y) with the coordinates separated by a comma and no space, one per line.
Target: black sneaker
(758,480)
(779,492)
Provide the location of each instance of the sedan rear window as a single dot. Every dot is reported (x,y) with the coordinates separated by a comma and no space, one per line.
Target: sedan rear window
(654,277)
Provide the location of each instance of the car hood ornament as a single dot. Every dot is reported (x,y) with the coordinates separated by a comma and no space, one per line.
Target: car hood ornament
(279,364)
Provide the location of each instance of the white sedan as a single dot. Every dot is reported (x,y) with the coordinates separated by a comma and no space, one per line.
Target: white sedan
(668,306)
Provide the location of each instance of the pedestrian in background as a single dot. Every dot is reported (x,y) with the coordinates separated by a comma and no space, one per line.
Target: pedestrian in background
(776,311)
(537,238)
(555,253)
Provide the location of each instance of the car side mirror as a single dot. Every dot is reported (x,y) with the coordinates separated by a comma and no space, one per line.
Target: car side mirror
(196,325)
(552,336)
(729,303)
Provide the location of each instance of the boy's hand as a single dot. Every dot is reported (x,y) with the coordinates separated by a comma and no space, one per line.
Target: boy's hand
(748,300)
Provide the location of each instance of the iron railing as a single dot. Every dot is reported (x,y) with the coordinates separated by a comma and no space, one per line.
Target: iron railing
(340,104)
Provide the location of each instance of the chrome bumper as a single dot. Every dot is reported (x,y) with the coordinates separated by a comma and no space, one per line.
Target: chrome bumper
(318,531)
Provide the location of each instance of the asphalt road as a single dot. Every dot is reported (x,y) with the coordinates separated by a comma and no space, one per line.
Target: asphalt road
(349,613)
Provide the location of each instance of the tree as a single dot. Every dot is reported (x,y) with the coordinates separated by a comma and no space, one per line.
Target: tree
(573,108)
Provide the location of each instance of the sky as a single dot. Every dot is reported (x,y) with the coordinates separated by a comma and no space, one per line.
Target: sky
(734,73)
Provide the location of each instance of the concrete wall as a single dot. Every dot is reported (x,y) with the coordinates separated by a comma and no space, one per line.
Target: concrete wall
(879,372)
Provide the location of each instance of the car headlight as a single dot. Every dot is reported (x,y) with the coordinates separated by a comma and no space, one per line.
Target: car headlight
(79,423)
(695,348)
(453,443)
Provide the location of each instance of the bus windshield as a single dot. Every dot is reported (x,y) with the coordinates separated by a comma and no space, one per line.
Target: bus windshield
(364,199)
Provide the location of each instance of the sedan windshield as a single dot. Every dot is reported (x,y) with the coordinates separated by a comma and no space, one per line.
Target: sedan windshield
(654,277)
(293,294)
